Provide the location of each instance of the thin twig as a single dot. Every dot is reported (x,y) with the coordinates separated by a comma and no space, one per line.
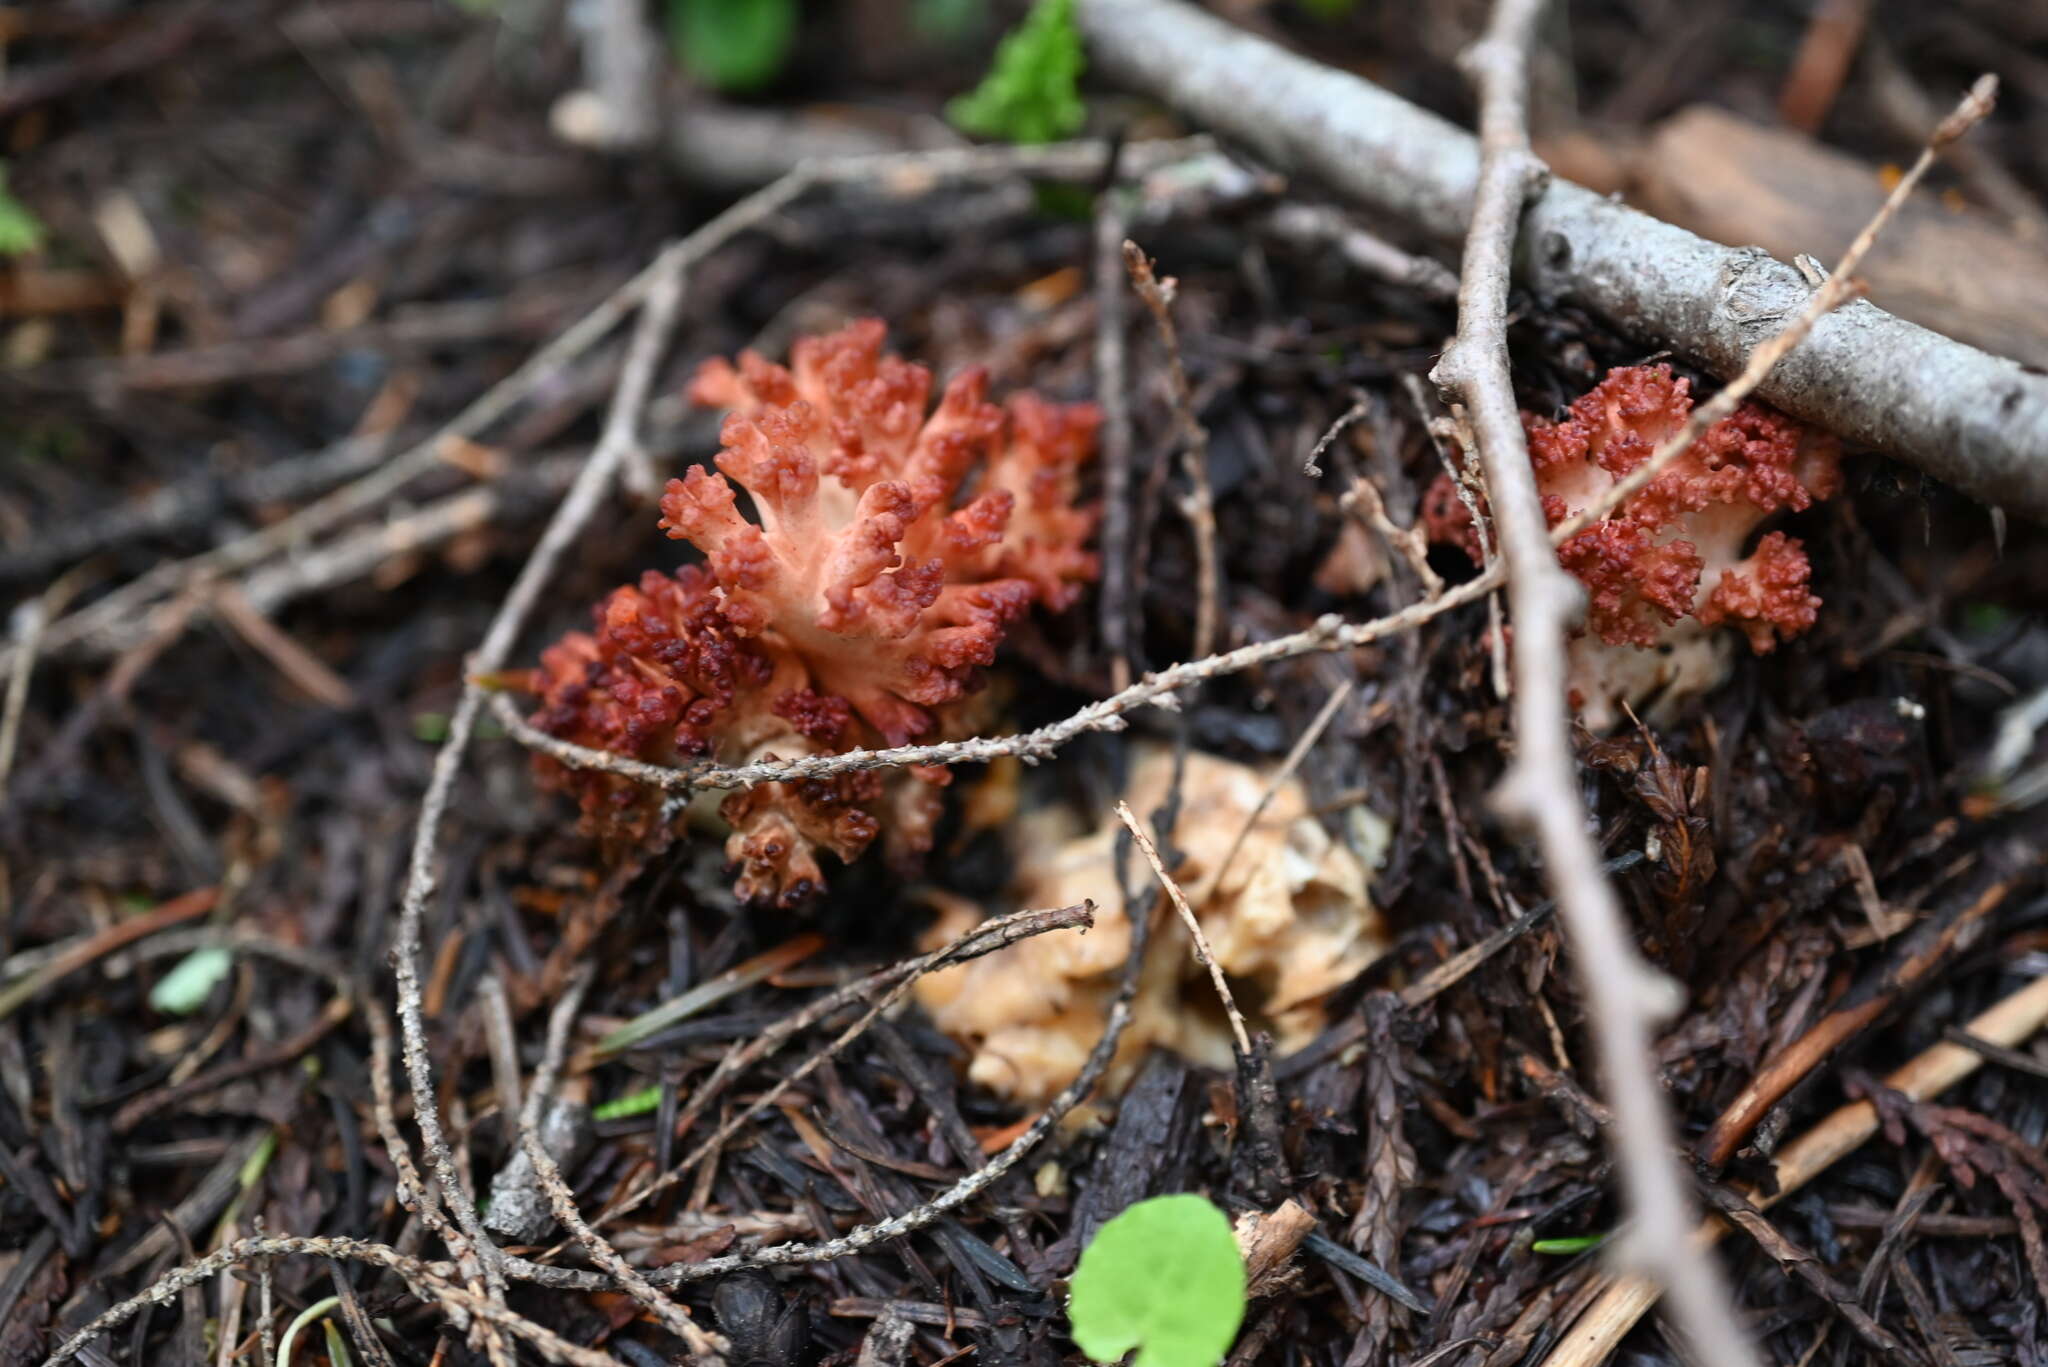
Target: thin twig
(430,1281)
(1362,501)
(1327,634)
(1623,994)
(619,439)
(1298,752)
(1321,225)
(1456,968)
(31,617)
(1311,465)
(1200,504)
(1187,916)
(1840,287)
(1466,480)
(673,1317)
(1112,391)
(986,938)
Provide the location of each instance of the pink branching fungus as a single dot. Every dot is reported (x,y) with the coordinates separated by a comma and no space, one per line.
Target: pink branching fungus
(1674,560)
(889,551)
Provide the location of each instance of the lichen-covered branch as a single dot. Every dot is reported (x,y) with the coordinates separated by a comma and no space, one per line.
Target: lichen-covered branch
(1978,421)
(1326,634)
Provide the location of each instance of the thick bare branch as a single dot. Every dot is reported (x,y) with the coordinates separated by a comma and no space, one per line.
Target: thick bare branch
(1977,421)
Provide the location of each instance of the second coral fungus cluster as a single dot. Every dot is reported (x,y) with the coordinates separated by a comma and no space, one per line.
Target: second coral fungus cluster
(1673,561)
(1287,916)
(889,551)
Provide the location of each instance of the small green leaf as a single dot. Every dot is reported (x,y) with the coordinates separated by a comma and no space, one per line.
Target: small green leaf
(186,987)
(1329,9)
(632,1103)
(1578,1243)
(732,45)
(21,232)
(337,1347)
(1032,92)
(1165,1277)
(254,1166)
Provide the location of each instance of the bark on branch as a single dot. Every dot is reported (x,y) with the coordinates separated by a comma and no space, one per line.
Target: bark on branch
(1624,995)
(1977,421)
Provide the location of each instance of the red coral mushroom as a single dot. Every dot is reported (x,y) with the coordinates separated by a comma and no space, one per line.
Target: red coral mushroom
(892,549)
(1669,563)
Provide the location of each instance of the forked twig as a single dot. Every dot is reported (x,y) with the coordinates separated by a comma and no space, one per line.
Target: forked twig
(429,1281)
(1839,288)
(673,1317)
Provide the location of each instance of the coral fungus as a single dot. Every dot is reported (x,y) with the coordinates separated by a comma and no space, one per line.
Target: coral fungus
(892,550)
(1670,562)
(1288,919)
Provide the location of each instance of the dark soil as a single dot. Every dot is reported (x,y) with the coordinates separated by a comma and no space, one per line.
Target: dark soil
(360,221)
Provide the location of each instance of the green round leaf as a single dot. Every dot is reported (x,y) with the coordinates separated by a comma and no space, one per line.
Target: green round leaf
(1165,1277)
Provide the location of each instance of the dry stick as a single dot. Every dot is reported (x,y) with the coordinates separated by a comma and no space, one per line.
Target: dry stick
(1977,421)
(429,1281)
(650,340)
(361,552)
(1792,1064)
(1464,480)
(1459,966)
(985,938)
(34,614)
(412,1188)
(673,1317)
(313,676)
(1187,916)
(1328,633)
(1311,465)
(413,1192)
(1322,226)
(82,952)
(125,604)
(1363,501)
(1200,505)
(2008,1024)
(1112,389)
(1623,994)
